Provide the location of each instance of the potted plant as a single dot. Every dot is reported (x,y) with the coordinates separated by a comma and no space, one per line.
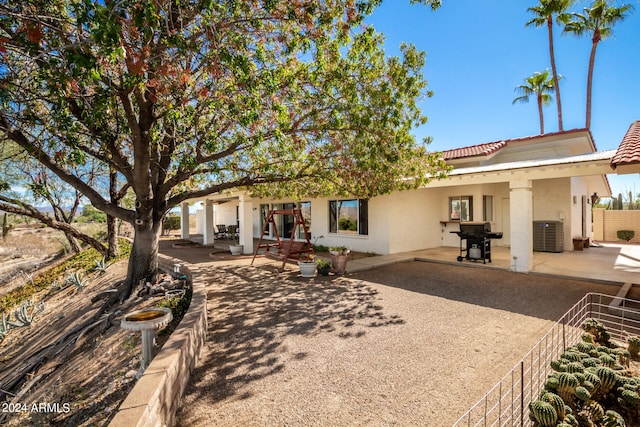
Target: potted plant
(308,265)
(235,248)
(339,256)
(324,267)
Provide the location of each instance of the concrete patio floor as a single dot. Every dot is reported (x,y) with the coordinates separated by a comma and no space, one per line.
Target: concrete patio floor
(610,262)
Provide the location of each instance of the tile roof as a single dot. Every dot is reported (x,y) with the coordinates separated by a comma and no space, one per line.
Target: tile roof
(474,150)
(489,148)
(629,150)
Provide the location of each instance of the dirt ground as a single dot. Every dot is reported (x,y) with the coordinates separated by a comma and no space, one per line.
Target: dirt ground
(408,344)
(86,381)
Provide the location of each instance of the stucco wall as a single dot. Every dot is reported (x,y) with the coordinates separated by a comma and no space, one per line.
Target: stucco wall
(606,224)
(552,202)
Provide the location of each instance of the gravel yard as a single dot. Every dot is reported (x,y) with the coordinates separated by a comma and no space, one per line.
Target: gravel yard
(415,343)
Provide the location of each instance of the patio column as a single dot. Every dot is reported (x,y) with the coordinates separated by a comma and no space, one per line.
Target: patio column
(184,220)
(208,232)
(246,223)
(521,207)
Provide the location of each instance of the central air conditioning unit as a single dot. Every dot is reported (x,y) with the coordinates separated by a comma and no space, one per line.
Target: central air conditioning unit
(548,236)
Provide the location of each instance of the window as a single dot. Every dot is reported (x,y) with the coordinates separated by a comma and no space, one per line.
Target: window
(461,208)
(305,207)
(487,208)
(349,216)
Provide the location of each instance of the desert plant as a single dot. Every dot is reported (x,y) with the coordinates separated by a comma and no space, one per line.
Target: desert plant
(101,266)
(543,413)
(634,346)
(77,280)
(625,235)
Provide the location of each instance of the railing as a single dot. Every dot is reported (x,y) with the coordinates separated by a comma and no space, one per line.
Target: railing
(506,404)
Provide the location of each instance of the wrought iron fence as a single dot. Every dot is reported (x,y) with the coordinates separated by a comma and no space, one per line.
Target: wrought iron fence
(506,404)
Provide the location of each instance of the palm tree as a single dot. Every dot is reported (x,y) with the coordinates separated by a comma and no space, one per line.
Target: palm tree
(598,21)
(540,85)
(544,14)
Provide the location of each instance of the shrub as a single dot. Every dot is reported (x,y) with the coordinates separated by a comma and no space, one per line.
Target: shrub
(625,235)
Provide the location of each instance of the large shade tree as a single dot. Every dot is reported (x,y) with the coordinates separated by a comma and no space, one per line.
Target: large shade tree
(597,21)
(183,99)
(544,14)
(540,85)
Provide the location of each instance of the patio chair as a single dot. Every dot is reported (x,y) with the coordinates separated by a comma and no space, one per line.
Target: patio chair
(222,231)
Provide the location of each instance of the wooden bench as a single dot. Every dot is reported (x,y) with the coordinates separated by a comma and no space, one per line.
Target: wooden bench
(580,243)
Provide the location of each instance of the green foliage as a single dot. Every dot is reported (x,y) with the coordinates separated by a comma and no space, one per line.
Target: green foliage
(178,305)
(625,235)
(324,267)
(82,261)
(91,214)
(171,222)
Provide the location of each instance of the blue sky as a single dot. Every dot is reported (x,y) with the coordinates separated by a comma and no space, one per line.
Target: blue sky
(479,51)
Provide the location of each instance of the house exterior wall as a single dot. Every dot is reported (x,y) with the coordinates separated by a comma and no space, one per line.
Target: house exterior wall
(499,222)
(552,202)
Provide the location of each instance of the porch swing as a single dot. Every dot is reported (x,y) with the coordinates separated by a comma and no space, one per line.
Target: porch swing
(288,250)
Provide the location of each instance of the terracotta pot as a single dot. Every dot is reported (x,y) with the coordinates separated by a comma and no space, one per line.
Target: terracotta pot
(339,263)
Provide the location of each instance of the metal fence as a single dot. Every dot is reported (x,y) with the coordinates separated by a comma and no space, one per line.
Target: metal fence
(506,404)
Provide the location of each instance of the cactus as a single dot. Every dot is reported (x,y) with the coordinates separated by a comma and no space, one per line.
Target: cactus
(608,378)
(634,346)
(567,384)
(591,362)
(629,398)
(544,413)
(555,401)
(593,411)
(582,393)
(607,360)
(624,358)
(592,379)
(559,365)
(587,338)
(571,356)
(575,367)
(551,384)
(585,347)
(612,419)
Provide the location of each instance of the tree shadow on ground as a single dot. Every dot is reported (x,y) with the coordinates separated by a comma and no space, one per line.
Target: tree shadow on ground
(252,309)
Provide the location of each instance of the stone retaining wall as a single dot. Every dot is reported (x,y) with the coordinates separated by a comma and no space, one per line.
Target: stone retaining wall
(155,397)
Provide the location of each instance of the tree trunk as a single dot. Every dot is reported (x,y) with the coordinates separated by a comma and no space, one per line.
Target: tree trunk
(112,237)
(143,261)
(73,243)
(112,232)
(540,113)
(556,84)
(592,60)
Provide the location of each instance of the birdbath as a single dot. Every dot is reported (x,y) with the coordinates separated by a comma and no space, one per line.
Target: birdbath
(147,321)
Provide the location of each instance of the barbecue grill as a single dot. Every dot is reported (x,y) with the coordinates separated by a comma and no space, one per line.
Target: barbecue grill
(475,241)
